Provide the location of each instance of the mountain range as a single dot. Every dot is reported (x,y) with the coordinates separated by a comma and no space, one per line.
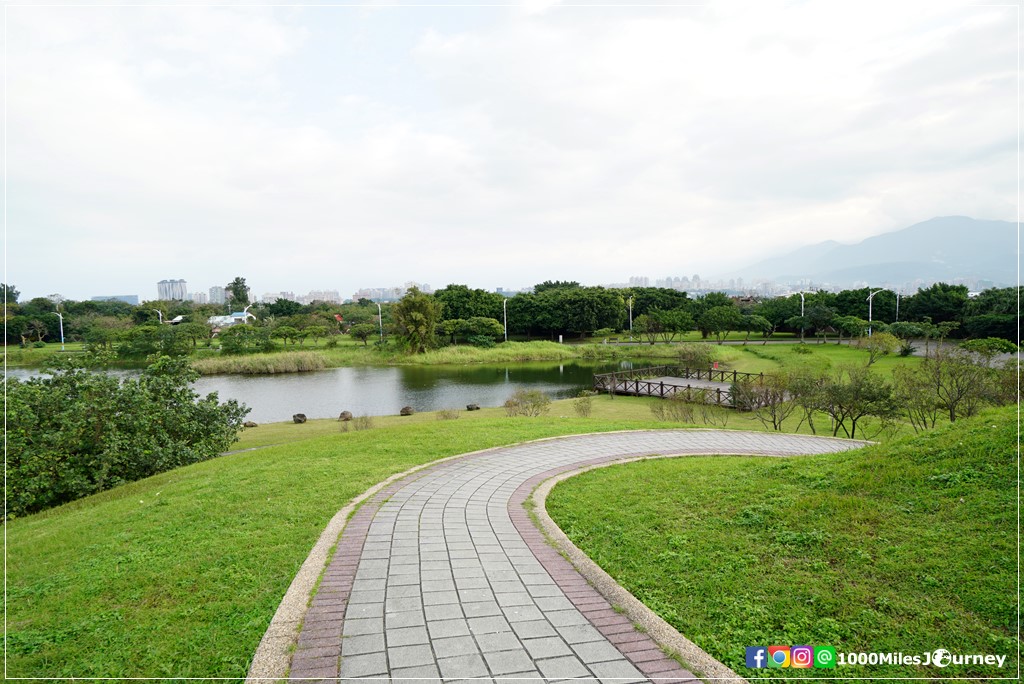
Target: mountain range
(946,249)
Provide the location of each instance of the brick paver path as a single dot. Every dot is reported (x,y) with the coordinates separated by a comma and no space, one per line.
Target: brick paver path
(443,576)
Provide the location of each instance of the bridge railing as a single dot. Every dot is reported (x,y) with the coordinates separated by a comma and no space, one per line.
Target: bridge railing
(640,382)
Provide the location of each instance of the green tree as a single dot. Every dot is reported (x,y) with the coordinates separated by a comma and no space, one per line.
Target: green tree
(10,293)
(878,344)
(287,333)
(283,307)
(363,331)
(78,432)
(940,303)
(245,339)
(853,393)
(759,324)
(238,292)
(719,320)
(459,301)
(672,323)
(416,316)
(851,326)
(548,285)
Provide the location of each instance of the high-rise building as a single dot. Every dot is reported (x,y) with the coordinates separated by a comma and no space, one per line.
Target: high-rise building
(199,297)
(217,295)
(172,289)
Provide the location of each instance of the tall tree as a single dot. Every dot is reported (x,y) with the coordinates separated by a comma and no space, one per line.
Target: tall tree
(10,293)
(238,291)
(416,316)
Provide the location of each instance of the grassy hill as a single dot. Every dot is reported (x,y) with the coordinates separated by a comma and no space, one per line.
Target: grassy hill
(905,547)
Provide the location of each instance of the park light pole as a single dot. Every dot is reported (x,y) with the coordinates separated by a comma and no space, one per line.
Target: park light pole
(57,314)
(871,298)
(802,322)
(898,306)
(246,314)
(631,318)
(504,313)
(160,314)
(380,320)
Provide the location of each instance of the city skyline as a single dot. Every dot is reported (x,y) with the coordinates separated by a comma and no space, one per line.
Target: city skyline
(338,147)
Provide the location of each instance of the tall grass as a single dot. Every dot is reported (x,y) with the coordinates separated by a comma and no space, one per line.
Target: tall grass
(255,364)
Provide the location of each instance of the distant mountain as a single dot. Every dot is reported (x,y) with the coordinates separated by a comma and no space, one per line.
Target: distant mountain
(947,248)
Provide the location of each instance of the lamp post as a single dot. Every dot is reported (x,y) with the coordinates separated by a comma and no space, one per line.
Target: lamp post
(160,314)
(380,320)
(871,298)
(246,314)
(898,306)
(57,314)
(631,318)
(504,313)
(802,327)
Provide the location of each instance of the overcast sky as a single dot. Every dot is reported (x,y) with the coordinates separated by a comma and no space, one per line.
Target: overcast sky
(341,147)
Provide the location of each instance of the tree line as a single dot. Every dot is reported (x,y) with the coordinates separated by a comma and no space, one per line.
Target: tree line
(460,314)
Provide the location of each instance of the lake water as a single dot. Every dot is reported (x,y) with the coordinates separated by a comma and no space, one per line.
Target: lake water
(385,390)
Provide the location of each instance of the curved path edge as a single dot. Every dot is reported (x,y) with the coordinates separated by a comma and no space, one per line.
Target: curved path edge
(273,654)
(702,663)
(348,528)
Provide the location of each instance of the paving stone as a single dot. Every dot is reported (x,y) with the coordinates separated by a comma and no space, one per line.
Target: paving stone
(407,636)
(410,656)
(447,611)
(448,628)
(534,628)
(507,662)
(454,646)
(357,645)
(488,625)
(547,647)
(618,671)
(364,665)
(498,641)
(463,667)
(567,667)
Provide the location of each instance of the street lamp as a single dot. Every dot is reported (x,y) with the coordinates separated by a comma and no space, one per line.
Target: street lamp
(871,298)
(160,314)
(802,322)
(898,306)
(380,320)
(57,314)
(631,318)
(504,313)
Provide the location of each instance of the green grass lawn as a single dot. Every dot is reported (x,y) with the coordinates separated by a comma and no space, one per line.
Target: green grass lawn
(905,547)
(179,575)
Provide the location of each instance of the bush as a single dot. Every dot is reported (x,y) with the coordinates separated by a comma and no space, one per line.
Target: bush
(362,423)
(79,432)
(802,349)
(481,341)
(448,414)
(674,409)
(695,355)
(39,345)
(583,404)
(530,403)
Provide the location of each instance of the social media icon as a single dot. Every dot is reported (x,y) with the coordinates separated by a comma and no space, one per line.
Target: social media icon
(801,656)
(778,656)
(825,656)
(757,656)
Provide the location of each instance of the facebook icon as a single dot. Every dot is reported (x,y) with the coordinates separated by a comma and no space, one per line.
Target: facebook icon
(757,656)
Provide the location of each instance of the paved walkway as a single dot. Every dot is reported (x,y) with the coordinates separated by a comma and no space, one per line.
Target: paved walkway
(442,575)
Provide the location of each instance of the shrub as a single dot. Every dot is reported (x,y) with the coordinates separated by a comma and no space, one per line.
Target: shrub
(674,409)
(583,404)
(448,414)
(79,432)
(525,402)
(695,355)
(39,345)
(362,422)
(802,349)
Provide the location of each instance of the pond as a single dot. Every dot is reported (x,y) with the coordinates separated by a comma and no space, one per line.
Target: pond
(385,390)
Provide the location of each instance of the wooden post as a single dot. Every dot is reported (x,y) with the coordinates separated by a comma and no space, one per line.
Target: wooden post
(718,399)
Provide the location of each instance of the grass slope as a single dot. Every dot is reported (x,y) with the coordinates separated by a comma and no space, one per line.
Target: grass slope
(906,547)
(179,575)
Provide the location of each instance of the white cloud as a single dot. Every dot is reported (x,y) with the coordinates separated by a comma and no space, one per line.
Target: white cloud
(544,141)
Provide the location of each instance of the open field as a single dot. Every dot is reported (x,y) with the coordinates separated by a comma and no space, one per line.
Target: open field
(904,547)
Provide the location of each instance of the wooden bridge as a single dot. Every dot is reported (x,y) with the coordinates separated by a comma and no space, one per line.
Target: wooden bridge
(712,386)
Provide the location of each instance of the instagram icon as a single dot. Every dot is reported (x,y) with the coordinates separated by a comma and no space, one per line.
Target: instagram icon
(802,656)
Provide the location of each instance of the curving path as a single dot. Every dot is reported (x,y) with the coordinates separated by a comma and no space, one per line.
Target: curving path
(443,575)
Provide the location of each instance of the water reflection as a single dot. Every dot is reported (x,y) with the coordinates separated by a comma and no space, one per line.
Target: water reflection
(384,391)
